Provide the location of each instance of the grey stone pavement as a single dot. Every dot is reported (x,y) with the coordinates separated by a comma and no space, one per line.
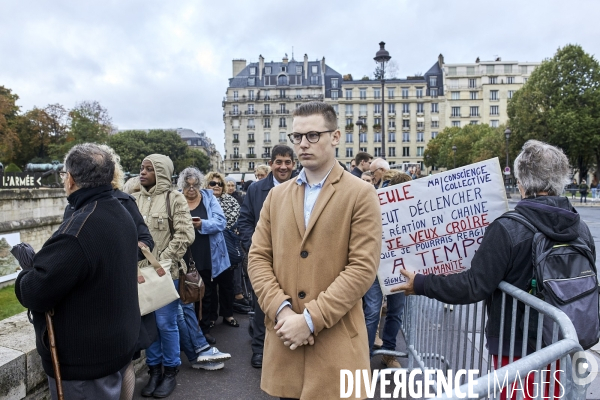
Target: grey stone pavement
(238,380)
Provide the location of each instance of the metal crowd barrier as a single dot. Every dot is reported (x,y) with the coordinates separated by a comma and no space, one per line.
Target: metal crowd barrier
(444,337)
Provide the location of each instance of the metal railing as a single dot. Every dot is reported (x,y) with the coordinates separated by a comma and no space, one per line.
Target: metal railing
(451,338)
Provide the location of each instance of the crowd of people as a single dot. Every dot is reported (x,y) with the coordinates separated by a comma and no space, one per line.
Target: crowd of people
(310,241)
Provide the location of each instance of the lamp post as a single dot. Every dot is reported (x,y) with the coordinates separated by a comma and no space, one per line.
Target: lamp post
(454,155)
(382,56)
(507,133)
(361,127)
(429,166)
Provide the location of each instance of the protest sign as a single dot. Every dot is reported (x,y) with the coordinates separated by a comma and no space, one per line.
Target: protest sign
(434,225)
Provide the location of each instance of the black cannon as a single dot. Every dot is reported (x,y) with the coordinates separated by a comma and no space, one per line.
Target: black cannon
(47,170)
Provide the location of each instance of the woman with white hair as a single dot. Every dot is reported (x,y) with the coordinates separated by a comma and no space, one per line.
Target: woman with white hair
(542,171)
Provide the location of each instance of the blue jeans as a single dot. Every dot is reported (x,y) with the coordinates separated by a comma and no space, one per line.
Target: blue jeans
(372,301)
(191,339)
(165,350)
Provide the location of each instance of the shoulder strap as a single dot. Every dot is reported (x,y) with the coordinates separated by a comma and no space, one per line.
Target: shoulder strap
(170,214)
(515,215)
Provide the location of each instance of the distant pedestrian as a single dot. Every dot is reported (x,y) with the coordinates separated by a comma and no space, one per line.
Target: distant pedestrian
(363,163)
(583,191)
(594,187)
(85,275)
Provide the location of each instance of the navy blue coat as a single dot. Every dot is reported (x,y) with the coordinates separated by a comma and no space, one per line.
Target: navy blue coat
(250,211)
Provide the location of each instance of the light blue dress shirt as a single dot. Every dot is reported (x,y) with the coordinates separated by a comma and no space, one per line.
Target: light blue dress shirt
(311,193)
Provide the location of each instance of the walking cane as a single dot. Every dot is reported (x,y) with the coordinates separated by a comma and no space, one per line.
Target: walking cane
(54,355)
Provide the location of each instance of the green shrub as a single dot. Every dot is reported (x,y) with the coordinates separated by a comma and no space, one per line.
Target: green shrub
(12,167)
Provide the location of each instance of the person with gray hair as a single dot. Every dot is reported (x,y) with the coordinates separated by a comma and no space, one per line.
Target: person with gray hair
(379,167)
(90,259)
(542,171)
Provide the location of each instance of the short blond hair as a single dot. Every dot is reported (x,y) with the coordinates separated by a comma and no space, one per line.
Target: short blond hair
(263,167)
(119,176)
(211,176)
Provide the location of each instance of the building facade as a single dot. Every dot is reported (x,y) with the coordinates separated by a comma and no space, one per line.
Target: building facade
(202,142)
(259,102)
(261,97)
(478,93)
(412,113)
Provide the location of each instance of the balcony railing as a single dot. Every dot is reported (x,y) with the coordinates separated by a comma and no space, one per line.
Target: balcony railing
(282,126)
(250,112)
(266,155)
(391,115)
(250,155)
(235,140)
(406,114)
(420,113)
(235,156)
(406,128)
(251,140)
(283,111)
(267,141)
(234,113)
(251,126)
(267,112)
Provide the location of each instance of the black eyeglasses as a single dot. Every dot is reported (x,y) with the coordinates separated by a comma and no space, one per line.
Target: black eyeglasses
(214,183)
(312,137)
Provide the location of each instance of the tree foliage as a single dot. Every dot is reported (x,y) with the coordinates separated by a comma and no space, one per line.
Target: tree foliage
(560,105)
(9,141)
(473,143)
(134,145)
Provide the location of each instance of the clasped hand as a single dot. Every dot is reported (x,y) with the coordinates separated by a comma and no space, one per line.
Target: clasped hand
(293,330)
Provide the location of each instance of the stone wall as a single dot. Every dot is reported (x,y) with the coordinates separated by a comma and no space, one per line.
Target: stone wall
(35,213)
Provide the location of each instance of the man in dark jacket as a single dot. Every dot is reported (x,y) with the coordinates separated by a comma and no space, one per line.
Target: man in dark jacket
(86,276)
(505,252)
(363,164)
(282,165)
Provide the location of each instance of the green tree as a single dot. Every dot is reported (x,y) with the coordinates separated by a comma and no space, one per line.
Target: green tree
(133,145)
(193,158)
(9,141)
(473,143)
(88,122)
(560,105)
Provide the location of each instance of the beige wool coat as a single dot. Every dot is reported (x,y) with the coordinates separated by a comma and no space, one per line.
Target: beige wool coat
(326,268)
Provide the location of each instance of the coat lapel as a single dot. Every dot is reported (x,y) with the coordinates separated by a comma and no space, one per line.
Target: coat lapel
(298,206)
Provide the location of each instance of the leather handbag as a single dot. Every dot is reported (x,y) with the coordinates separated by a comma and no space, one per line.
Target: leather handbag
(155,286)
(191,286)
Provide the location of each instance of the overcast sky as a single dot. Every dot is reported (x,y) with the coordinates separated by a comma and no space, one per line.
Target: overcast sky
(166,64)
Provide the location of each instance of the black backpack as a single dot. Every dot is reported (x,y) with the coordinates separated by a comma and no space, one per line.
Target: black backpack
(566,278)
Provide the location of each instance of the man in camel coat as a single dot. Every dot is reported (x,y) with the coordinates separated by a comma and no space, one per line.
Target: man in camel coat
(314,254)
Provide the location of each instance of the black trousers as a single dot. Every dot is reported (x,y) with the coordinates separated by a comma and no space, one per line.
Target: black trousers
(218,297)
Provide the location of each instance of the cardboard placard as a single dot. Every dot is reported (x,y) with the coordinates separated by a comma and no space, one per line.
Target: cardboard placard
(434,225)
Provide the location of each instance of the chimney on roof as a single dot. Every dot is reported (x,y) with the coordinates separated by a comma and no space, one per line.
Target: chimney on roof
(477,60)
(261,66)
(498,59)
(285,59)
(305,66)
(238,66)
(440,60)
(323,67)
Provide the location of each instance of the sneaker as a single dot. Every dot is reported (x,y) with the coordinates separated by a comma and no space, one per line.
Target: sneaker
(378,342)
(209,366)
(213,354)
(390,362)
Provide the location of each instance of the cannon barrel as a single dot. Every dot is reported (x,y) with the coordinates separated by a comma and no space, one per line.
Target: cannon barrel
(43,167)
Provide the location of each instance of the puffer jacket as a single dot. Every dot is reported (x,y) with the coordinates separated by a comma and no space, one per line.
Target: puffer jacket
(152,204)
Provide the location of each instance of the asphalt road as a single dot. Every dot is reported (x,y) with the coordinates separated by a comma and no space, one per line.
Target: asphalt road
(238,380)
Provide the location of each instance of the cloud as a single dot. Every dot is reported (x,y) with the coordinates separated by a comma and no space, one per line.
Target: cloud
(156,64)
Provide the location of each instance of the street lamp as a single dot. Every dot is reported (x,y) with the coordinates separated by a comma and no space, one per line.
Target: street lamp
(428,157)
(382,57)
(507,133)
(454,155)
